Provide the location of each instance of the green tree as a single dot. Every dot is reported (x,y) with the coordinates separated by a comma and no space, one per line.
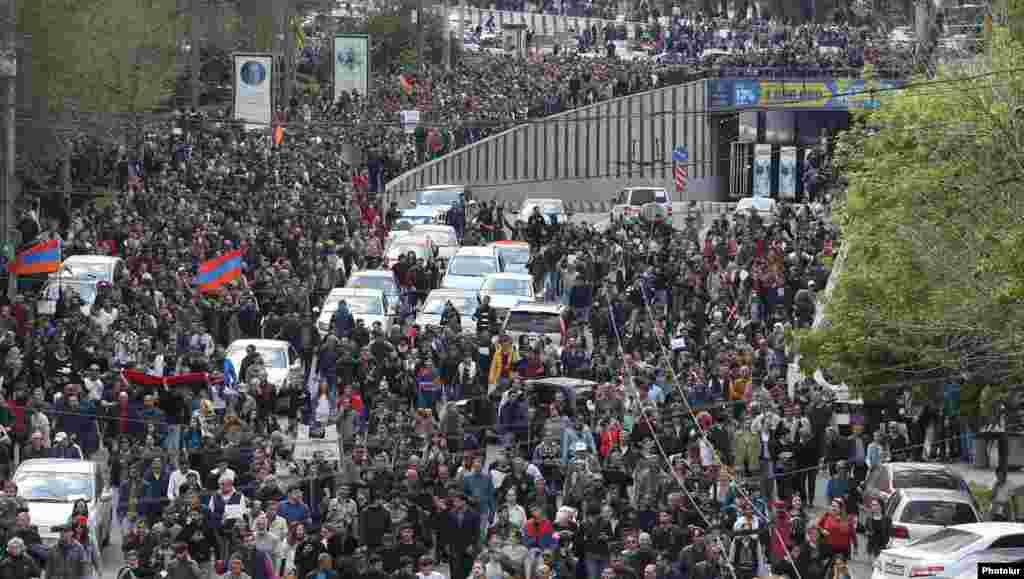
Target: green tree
(933,219)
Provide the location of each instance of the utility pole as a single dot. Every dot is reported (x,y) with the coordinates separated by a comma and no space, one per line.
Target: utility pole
(194,52)
(9,69)
(420,61)
(447,24)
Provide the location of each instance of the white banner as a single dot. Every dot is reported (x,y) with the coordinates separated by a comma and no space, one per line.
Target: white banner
(787,173)
(762,170)
(351,64)
(327,447)
(409,120)
(254,89)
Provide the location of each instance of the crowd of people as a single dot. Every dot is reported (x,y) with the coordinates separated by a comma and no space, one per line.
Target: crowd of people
(688,457)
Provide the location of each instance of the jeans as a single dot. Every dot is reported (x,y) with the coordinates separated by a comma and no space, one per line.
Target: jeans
(172,441)
(595,567)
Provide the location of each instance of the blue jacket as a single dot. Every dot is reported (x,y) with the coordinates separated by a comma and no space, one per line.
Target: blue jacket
(294,513)
(581,296)
(81,422)
(481,486)
(344,323)
(154,491)
(514,417)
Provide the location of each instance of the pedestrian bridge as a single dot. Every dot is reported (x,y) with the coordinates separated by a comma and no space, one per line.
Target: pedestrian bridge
(586,154)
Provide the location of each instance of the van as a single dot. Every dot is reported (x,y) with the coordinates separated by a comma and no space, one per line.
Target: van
(629,203)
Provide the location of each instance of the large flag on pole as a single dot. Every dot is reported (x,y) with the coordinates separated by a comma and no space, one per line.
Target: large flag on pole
(40,258)
(219,271)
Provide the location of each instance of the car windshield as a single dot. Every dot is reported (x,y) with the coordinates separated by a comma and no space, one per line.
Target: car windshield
(925,479)
(547,208)
(405,223)
(358,305)
(946,541)
(644,196)
(437,236)
(272,357)
(938,513)
(84,289)
(55,487)
(419,249)
(506,286)
(80,270)
(438,197)
(465,306)
(472,266)
(763,204)
(534,323)
(515,255)
(384,283)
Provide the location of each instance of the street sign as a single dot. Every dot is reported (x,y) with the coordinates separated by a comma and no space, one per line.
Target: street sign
(680,155)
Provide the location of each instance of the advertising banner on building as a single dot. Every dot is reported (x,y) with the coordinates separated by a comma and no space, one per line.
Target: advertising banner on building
(254,89)
(787,173)
(798,93)
(351,63)
(762,170)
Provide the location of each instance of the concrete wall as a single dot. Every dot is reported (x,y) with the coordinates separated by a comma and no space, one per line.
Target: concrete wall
(587,154)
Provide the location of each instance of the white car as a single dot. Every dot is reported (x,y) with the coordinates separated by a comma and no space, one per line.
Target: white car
(549,208)
(629,203)
(508,290)
(538,321)
(381,279)
(93,267)
(443,237)
(422,248)
(465,303)
(763,206)
(51,486)
(282,362)
(515,255)
(369,305)
(916,513)
(951,552)
(468,268)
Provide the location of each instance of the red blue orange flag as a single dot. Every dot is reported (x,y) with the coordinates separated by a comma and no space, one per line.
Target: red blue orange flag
(219,271)
(40,258)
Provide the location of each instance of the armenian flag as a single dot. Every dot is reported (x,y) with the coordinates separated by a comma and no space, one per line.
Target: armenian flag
(408,85)
(40,258)
(219,271)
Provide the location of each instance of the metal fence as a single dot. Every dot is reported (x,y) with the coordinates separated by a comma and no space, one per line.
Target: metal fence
(624,139)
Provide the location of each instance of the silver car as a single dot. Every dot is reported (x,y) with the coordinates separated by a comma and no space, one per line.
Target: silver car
(951,552)
(917,513)
(51,486)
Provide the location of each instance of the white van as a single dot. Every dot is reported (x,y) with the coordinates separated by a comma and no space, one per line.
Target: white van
(629,203)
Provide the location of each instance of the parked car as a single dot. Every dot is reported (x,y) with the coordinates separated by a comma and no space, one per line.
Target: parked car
(628,203)
(884,479)
(951,552)
(51,486)
(465,303)
(444,238)
(284,365)
(368,305)
(515,255)
(468,268)
(971,572)
(917,513)
(382,279)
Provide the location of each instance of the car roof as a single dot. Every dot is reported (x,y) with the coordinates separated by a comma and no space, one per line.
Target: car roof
(539,200)
(510,243)
(355,292)
(442,187)
(920,466)
(373,273)
(431,227)
(544,308)
(510,275)
(450,293)
(645,188)
(57,465)
(92,259)
(259,344)
(475,251)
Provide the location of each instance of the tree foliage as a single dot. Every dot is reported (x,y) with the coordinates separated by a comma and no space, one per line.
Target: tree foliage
(933,216)
(101,55)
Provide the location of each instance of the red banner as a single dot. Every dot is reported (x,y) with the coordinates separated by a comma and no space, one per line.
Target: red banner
(681,173)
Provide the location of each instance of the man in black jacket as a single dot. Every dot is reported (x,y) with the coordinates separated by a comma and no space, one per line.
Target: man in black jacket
(484,316)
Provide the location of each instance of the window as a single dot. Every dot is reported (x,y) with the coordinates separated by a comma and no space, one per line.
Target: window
(511,287)
(645,196)
(534,323)
(515,256)
(925,479)
(55,487)
(1008,542)
(946,541)
(435,306)
(378,282)
(472,266)
(938,513)
(357,305)
(439,197)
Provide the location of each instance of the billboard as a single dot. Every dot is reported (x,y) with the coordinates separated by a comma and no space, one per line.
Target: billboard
(762,170)
(351,63)
(787,173)
(800,93)
(254,89)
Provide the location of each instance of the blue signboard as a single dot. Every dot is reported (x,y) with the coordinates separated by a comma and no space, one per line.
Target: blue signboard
(799,93)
